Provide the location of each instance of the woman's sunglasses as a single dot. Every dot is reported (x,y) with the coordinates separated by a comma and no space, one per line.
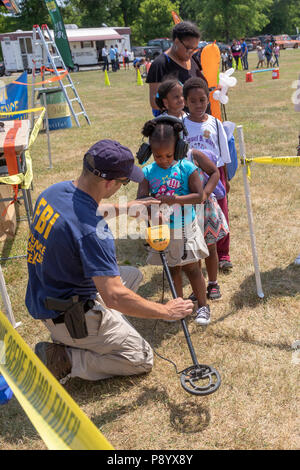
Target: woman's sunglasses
(189,50)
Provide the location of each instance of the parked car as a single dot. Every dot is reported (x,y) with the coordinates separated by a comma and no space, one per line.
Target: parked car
(156,46)
(284,41)
(223,47)
(138,51)
(152,52)
(163,43)
(3,71)
(202,44)
(254,41)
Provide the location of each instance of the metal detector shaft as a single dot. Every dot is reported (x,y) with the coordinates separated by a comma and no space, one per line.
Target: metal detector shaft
(174,294)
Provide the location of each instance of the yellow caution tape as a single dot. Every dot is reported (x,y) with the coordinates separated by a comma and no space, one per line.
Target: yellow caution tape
(25,179)
(55,415)
(24,111)
(278,161)
(282,161)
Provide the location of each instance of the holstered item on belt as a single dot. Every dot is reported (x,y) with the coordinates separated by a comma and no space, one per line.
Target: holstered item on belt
(75,321)
(73,314)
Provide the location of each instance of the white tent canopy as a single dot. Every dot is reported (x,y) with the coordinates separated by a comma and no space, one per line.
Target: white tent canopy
(92,34)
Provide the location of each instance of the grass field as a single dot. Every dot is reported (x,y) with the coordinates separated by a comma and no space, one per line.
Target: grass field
(249,340)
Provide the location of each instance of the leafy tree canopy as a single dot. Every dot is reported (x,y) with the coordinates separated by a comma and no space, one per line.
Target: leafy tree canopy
(222,20)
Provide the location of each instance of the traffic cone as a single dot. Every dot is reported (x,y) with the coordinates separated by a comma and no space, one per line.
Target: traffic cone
(240,67)
(106,79)
(139,78)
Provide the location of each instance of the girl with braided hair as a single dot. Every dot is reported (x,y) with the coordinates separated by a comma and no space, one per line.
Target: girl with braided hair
(169,98)
(174,180)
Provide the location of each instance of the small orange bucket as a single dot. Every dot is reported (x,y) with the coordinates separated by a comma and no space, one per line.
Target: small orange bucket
(249,77)
(275,74)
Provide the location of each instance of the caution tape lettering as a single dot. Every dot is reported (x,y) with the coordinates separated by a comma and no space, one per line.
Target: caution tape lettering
(38,391)
(58,419)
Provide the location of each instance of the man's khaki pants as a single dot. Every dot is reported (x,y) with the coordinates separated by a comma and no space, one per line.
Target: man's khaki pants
(113,346)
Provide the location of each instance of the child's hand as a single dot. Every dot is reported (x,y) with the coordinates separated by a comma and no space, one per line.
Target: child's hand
(145,201)
(204,197)
(227,186)
(138,206)
(167,200)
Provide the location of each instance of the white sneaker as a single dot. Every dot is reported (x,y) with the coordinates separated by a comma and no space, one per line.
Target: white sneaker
(297,261)
(203,315)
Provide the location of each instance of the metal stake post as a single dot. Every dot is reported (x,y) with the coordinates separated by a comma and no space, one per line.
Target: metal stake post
(6,301)
(250,215)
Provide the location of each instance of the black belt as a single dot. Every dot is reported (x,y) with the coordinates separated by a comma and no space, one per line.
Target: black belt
(87,306)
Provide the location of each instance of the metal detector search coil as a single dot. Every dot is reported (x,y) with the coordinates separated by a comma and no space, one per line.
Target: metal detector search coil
(198,379)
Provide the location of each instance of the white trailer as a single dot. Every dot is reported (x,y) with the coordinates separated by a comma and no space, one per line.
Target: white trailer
(85,43)
(17,51)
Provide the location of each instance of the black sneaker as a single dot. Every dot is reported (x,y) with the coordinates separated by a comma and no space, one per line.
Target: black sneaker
(55,358)
(213,292)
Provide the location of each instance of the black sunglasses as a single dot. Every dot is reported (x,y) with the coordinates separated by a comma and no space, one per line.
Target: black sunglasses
(124,182)
(190,50)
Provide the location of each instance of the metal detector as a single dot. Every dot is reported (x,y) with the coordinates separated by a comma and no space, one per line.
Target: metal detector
(198,379)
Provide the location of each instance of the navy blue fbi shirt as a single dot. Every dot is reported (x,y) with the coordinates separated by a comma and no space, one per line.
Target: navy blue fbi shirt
(69,243)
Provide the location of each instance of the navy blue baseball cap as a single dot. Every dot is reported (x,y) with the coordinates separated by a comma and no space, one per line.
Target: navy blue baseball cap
(110,160)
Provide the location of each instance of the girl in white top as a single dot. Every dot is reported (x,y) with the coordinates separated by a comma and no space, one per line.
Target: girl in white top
(205,132)
(169,98)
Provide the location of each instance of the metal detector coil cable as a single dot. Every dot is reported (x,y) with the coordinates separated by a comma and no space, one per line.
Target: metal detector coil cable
(198,379)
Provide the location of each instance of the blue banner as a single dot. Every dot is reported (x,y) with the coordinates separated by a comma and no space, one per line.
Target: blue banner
(14,97)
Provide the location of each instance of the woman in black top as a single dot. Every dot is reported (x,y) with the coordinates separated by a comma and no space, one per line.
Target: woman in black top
(180,61)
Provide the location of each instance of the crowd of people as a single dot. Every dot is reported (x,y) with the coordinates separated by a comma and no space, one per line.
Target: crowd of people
(268,55)
(238,51)
(112,56)
(76,287)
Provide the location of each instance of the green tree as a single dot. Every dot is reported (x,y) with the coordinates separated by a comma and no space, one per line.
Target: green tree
(226,19)
(154,19)
(125,12)
(284,17)
(32,12)
(91,13)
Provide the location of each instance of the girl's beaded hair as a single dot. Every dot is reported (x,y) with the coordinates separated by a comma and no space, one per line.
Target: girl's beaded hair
(192,83)
(164,88)
(161,131)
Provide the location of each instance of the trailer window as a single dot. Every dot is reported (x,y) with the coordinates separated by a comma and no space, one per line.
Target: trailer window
(22,45)
(29,45)
(86,44)
(25,45)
